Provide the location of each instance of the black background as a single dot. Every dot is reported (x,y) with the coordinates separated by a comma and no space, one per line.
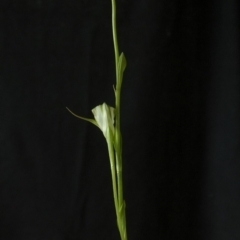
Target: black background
(180,119)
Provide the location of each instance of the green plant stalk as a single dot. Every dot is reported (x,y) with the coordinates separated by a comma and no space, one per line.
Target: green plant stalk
(117,107)
(115,41)
(121,219)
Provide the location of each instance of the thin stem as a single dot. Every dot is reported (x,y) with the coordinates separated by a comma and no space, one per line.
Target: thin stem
(113,172)
(120,217)
(120,209)
(114,29)
(117,107)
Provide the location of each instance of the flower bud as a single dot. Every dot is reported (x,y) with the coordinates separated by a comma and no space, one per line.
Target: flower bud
(104,116)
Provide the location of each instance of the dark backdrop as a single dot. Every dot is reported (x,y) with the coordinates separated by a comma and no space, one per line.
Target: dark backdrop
(180,119)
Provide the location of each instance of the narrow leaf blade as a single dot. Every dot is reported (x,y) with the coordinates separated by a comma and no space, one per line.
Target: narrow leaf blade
(83,118)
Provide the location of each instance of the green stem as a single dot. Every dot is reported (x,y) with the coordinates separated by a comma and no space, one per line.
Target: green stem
(120,217)
(114,29)
(117,107)
(113,171)
(120,209)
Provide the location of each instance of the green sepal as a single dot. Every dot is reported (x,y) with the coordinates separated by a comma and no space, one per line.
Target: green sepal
(114,90)
(83,118)
(122,63)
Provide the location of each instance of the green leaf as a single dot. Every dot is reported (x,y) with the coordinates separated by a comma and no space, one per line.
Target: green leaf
(83,118)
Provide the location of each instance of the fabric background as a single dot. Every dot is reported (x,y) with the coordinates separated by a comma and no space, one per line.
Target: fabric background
(180,119)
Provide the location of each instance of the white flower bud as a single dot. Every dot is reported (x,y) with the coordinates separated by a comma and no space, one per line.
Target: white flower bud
(104,116)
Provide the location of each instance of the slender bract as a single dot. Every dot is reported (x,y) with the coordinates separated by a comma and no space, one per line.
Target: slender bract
(108,120)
